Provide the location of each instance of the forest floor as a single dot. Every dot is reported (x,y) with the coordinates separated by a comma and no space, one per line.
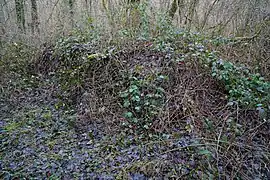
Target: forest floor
(39,140)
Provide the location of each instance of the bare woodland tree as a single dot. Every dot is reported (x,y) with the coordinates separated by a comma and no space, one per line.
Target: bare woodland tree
(2,16)
(173,9)
(2,3)
(182,6)
(88,5)
(132,13)
(34,15)
(19,7)
(71,11)
(234,17)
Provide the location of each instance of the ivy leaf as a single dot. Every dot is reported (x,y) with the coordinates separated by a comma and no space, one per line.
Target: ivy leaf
(146,126)
(126,103)
(124,95)
(137,108)
(160,89)
(93,56)
(136,98)
(133,88)
(128,115)
(205,152)
(135,120)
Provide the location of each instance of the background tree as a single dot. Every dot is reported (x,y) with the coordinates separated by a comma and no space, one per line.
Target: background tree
(71,11)
(173,9)
(20,14)
(34,15)
(183,6)
(2,3)
(133,14)
(88,5)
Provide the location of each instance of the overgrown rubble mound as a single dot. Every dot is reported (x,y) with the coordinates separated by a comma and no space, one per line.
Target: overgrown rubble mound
(134,111)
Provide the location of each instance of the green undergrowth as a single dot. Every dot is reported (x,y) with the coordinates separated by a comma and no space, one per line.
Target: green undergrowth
(143,99)
(75,60)
(244,88)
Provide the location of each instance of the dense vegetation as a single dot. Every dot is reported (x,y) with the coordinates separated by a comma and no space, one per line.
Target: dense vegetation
(153,101)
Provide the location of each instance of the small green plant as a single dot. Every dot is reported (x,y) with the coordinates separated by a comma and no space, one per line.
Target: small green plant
(164,33)
(243,87)
(72,58)
(142,100)
(14,57)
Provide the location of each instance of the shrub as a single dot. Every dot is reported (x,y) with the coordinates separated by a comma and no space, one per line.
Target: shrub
(143,100)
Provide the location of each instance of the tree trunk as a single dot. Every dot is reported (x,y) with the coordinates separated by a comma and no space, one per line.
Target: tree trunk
(173,9)
(207,13)
(133,13)
(19,7)
(71,11)
(34,15)
(2,17)
(88,5)
(191,13)
(181,6)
